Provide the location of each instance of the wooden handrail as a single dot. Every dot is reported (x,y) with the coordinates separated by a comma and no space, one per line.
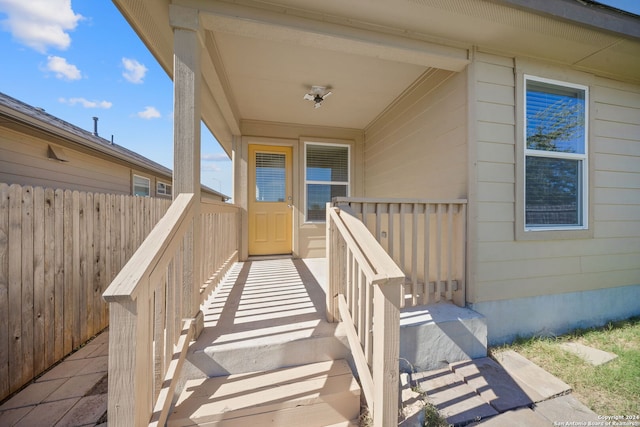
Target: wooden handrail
(151,297)
(338,201)
(145,259)
(364,292)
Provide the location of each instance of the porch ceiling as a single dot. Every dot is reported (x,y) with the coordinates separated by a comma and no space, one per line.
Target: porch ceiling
(262,57)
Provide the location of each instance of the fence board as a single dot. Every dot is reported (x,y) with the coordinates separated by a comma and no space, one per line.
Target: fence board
(27,283)
(49,277)
(82,317)
(90,296)
(4,290)
(59,274)
(38,281)
(54,250)
(67,293)
(15,286)
(76,283)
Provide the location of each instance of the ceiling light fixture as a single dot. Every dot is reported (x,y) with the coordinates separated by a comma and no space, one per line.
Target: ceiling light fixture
(317,95)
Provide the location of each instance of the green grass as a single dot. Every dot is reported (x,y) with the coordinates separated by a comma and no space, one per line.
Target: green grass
(609,389)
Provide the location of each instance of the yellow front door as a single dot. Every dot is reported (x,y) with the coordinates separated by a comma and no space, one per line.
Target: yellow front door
(270,200)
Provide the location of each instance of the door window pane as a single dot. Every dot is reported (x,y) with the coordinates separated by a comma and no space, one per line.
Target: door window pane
(270,177)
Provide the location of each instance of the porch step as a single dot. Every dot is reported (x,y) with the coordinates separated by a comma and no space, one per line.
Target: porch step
(273,348)
(435,335)
(318,394)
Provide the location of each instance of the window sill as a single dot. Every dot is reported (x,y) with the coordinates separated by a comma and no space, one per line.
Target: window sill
(554,234)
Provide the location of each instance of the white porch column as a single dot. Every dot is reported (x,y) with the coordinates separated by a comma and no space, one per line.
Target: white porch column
(186,143)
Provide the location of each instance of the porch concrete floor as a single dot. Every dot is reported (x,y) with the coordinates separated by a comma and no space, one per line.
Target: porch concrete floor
(262,304)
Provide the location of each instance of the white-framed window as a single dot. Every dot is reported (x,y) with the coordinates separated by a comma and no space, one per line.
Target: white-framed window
(326,175)
(164,189)
(141,186)
(556,169)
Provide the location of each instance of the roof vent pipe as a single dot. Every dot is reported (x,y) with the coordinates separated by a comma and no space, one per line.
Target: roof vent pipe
(95,126)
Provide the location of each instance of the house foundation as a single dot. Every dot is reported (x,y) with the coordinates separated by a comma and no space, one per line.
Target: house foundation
(435,335)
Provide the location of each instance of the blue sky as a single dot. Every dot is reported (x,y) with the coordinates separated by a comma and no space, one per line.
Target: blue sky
(80,59)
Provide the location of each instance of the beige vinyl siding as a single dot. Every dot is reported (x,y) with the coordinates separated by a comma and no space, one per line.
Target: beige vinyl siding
(24,160)
(417,148)
(506,268)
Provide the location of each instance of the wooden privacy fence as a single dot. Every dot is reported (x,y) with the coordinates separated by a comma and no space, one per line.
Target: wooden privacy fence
(364,292)
(426,238)
(59,249)
(182,259)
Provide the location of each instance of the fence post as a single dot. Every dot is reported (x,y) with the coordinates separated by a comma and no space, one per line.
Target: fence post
(386,353)
(332,314)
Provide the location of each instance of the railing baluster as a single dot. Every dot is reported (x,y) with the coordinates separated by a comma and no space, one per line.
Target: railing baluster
(414,256)
(390,250)
(378,222)
(427,254)
(402,262)
(449,251)
(363,324)
(438,286)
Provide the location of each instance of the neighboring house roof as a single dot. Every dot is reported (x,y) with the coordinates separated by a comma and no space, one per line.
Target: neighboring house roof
(20,113)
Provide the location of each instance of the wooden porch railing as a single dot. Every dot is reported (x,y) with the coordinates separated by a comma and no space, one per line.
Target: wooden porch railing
(430,248)
(149,299)
(364,292)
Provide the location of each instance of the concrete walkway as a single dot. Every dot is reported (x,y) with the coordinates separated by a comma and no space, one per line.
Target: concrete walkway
(512,391)
(72,393)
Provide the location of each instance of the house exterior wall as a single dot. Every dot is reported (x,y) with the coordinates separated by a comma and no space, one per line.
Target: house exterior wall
(527,283)
(418,147)
(24,160)
(308,237)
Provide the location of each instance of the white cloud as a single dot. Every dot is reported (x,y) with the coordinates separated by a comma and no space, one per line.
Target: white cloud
(215,157)
(63,69)
(210,168)
(86,103)
(134,71)
(40,24)
(149,113)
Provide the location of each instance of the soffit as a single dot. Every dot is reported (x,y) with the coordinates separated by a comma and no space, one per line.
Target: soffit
(262,55)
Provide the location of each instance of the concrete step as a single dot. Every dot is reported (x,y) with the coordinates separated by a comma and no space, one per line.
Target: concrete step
(267,349)
(319,394)
(454,399)
(492,383)
(435,335)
